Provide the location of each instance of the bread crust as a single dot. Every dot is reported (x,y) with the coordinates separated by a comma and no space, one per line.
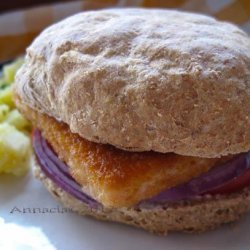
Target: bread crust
(194,216)
(134,79)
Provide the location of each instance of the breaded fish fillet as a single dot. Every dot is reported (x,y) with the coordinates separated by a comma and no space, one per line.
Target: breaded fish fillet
(114,177)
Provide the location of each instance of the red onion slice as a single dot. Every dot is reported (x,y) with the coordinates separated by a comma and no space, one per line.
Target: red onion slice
(57,171)
(207,182)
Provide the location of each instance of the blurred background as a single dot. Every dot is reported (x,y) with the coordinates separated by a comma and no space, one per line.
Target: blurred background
(22,20)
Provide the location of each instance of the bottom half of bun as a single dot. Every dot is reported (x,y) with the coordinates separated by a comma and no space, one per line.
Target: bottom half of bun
(198,215)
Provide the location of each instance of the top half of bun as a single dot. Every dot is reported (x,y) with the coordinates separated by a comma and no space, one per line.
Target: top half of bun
(144,79)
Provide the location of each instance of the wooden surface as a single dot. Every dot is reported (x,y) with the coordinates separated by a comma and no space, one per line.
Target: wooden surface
(7,5)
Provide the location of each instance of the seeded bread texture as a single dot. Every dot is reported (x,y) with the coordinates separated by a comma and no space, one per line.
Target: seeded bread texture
(194,216)
(144,79)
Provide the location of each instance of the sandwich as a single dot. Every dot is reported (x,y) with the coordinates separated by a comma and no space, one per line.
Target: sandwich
(141,116)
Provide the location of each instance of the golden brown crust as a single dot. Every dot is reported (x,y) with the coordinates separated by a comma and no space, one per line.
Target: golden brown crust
(115,177)
(134,79)
(195,216)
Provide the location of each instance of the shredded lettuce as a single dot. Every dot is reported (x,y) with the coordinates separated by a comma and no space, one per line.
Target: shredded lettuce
(15,145)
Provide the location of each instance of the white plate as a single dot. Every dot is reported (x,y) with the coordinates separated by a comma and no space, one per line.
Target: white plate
(25,230)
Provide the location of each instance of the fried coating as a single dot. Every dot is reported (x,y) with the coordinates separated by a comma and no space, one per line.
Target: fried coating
(114,177)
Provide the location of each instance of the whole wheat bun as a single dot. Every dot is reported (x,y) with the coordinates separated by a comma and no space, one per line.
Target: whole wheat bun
(144,79)
(194,216)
